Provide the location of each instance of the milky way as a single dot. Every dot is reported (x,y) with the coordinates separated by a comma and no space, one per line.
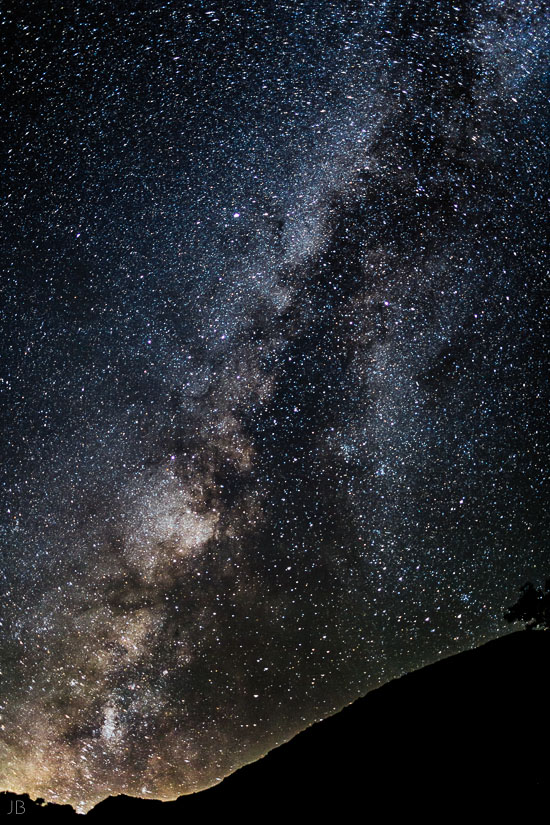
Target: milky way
(274,378)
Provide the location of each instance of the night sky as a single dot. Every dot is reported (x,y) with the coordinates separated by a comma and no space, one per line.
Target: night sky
(274,386)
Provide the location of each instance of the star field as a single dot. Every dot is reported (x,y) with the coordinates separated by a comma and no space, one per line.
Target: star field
(274,369)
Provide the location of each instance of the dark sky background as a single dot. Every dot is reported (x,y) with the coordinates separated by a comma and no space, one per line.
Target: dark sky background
(274,369)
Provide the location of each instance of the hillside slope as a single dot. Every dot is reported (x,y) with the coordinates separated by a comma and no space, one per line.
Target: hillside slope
(464,727)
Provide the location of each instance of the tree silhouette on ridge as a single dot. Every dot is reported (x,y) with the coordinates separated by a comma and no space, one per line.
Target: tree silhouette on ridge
(532,607)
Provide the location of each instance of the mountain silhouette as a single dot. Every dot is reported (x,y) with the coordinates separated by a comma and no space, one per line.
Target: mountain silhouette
(464,728)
